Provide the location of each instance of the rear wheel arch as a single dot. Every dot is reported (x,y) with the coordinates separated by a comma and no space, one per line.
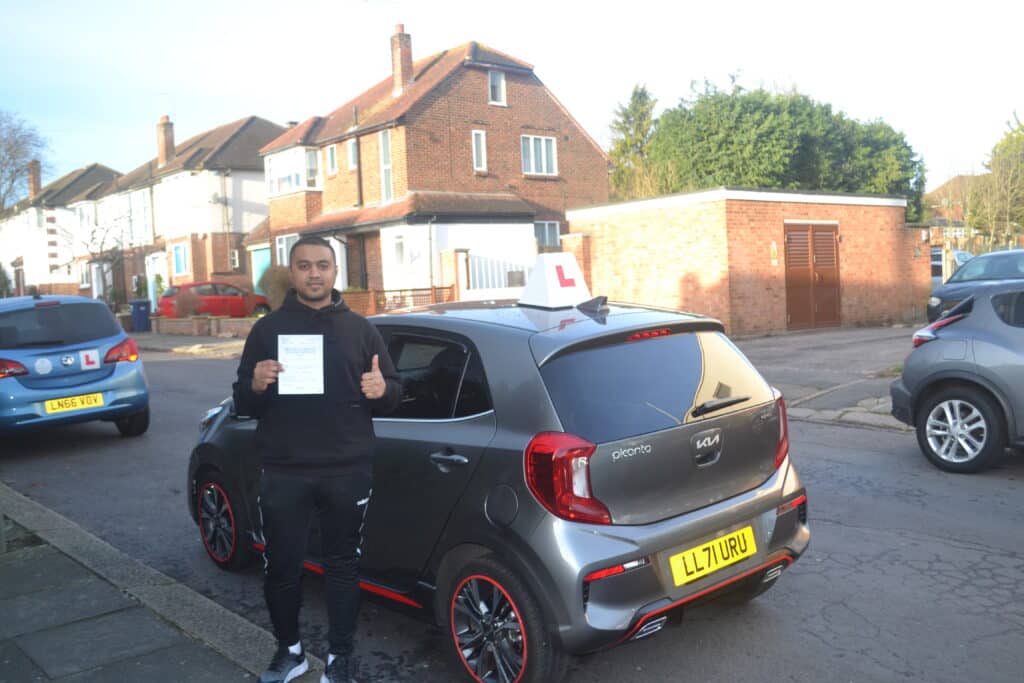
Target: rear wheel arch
(949,382)
(456,558)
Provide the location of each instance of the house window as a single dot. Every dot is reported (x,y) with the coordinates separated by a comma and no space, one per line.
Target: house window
(284,245)
(181,264)
(540,156)
(353,154)
(332,159)
(399,250)
(312,174)
(496,87)
(547,233)
(386,191)
(234,259)
(479,150)
(292,170)
(84,279)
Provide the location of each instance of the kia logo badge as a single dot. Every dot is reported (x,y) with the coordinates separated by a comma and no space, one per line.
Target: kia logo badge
(67,361)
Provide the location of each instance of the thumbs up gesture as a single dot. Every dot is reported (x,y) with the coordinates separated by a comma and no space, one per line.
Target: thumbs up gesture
(372,382)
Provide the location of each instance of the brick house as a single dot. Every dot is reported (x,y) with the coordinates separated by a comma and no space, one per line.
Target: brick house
(179,217)
(38,235)
(759,260)
(463,150)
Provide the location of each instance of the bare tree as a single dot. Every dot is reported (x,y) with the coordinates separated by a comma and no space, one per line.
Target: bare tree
(20,143)
(997,199)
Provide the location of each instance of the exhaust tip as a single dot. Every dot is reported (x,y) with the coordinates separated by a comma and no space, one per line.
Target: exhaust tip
(651,627)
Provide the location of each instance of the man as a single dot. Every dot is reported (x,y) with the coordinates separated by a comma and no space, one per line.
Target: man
(315,442)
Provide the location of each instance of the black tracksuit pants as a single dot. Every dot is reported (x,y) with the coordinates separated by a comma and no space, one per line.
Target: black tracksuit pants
(287,503)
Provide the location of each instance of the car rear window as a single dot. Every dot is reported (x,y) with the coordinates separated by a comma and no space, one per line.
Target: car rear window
(56,325)
(613,392)
(1008,266)
(1009,306)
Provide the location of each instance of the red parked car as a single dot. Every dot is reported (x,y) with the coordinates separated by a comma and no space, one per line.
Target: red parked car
(214,298)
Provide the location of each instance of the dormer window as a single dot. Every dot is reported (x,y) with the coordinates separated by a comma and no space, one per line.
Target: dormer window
(292,170)
(496,87)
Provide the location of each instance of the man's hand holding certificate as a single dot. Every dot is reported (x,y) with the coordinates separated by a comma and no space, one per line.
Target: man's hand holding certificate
(302,358)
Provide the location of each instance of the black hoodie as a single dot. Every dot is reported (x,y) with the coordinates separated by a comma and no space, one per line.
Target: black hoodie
(330,433)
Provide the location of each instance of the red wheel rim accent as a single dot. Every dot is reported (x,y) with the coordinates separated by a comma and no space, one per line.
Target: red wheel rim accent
(488,647)
(216,521)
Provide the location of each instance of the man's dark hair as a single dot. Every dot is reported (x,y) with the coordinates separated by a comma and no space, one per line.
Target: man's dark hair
(312,240)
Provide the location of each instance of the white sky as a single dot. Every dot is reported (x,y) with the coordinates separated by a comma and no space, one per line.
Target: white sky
(94,77)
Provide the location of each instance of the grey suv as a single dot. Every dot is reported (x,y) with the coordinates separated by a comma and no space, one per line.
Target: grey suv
(962,387)
(554,482)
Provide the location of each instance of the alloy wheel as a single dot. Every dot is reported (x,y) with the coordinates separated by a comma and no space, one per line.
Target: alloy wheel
(488,631)
(956,431)
(217,522)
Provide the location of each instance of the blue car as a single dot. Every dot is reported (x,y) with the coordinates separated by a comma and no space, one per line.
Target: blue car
(65,359)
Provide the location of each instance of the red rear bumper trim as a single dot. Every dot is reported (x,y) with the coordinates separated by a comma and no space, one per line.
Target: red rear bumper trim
(710,589)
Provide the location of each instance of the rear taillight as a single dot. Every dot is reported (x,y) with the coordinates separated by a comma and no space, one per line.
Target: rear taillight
(927,334)
(558,474)
(127,350)
(11,368)
(782,447)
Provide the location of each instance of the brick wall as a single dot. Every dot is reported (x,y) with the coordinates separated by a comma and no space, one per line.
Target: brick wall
(672,257)
(716,258)
(294,209)
(440,149)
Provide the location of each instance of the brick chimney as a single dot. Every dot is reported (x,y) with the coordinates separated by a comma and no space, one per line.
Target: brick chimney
(34,179)
(164,141)
(401,60)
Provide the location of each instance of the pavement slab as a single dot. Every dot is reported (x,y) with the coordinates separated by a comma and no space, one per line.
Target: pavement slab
(103,640)
(16,667)
(80,599)
(36,569)
(183,663)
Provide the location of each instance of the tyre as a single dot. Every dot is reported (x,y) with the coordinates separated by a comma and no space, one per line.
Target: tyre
(961,429)
(221,523)
(497,627)
(134,425)
(260,310)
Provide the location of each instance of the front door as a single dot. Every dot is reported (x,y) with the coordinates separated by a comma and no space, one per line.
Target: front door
(260,263)
(812,276)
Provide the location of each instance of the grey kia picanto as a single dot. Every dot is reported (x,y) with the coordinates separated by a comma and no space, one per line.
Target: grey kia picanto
(555,482)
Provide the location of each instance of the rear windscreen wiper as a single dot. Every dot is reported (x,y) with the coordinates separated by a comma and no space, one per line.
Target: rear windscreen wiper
(43,342)
(717,404)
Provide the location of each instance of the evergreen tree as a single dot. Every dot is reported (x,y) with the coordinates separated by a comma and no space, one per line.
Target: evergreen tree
(631,139)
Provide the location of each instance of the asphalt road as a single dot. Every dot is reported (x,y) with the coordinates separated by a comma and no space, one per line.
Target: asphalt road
(912,575)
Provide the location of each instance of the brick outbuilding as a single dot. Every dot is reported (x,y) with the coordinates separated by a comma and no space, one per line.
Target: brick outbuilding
(761,261)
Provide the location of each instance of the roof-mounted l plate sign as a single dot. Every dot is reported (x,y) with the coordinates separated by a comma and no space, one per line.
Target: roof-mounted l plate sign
(556,281)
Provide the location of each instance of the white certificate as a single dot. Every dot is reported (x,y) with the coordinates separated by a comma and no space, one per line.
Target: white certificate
(302,356)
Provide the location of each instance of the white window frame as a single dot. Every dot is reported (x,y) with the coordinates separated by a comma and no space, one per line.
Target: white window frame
(353,156)
(233,257)
(547,164)
(387,189)
(480,150)
(84,276)
(283,245)
(493,75)
(332,159)
(546,228)
(184,250)
(287,171)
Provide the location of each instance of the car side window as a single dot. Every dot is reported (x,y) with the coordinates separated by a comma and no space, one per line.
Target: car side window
(228,290)
(440,378)
(1009,306)
(204,290)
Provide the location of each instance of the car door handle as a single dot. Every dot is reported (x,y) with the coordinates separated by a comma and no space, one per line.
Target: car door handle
(445,460)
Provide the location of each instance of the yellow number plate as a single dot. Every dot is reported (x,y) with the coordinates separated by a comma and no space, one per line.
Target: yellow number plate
(63,405)
(709,557)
